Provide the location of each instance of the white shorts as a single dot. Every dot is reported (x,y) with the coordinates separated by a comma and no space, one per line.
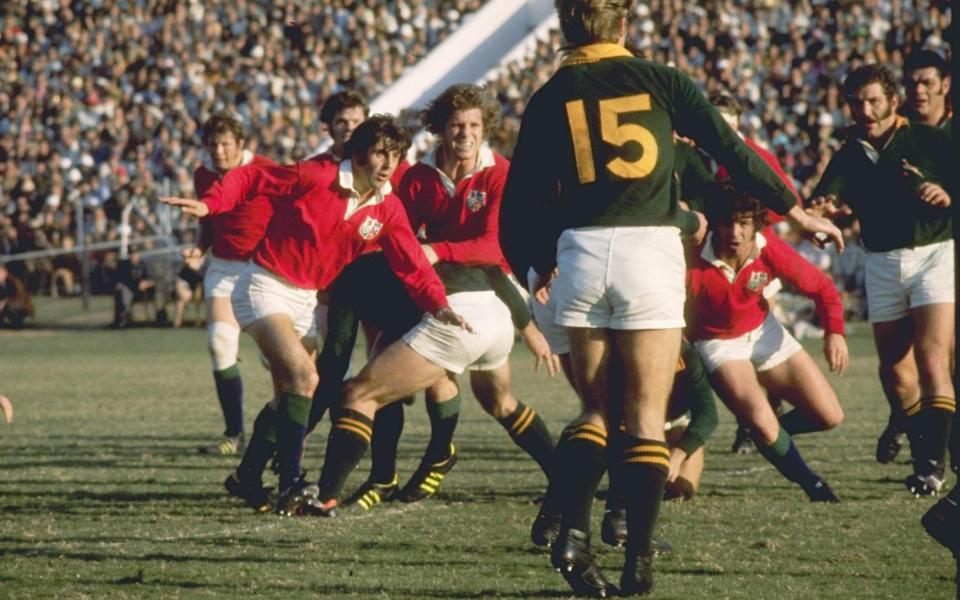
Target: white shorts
(457,350)
(545,315)
(260,293)
(898,280)
(766,347)
(221,277)
(620,278)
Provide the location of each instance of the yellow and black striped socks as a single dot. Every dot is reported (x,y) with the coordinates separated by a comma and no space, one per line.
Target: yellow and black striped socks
(387,427)
(348,442)
(642,475)
(929,422)
(581,450)
(528,431)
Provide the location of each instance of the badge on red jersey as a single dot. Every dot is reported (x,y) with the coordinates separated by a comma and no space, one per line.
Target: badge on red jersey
(476,200)
(757,280)
(370,228)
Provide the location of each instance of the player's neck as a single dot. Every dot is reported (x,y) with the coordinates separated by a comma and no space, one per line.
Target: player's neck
(456,168)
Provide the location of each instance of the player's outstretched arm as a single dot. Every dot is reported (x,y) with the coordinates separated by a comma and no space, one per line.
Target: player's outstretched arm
(6,407)
(450,317)
(190,206)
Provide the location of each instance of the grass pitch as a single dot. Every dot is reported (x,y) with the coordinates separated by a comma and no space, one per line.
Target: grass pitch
(102,493)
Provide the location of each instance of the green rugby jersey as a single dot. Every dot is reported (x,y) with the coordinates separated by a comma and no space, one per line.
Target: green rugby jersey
(891,214)
(596,149)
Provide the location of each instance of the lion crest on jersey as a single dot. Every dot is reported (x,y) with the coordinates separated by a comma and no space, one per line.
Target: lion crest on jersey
(370,228)
(757,280)
(476,200)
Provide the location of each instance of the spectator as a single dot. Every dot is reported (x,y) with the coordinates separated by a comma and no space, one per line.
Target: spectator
(15,303)
(133,284)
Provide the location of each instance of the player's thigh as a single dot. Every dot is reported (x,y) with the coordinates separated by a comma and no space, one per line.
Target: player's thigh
(648,363)
(279,342)
(736,383)
(800,382)
(395,373)
(898,365)
(933,329)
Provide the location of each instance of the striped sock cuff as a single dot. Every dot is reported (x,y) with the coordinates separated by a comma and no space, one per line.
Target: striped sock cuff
(519,420)
(650,452)
(913,408)
(586,432)
(943,403)
(354,422)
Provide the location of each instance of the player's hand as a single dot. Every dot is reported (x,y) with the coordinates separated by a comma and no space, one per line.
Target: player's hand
(836,353)
(934,195)
(820,230)
(6,407)
(533,338)
(448,316)
(677,457)
(190,206)
(541,287)
(826,206)
(431,253)
(191,253)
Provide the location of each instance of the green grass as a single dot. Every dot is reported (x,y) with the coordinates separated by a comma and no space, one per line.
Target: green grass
(102,494)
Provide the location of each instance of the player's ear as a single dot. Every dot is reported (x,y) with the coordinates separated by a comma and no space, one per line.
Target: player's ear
(946,84)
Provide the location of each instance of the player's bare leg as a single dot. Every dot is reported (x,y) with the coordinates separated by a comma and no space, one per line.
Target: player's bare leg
(800,382)
(736,382)
(933,338)
(223,344)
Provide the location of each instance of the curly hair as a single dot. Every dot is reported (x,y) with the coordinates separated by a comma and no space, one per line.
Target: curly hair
(377,129)
(867,74)
(461,96)
(727,201)
(587,21)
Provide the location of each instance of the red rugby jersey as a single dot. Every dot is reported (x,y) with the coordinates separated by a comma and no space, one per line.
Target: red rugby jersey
(317,229)
(725,308)
(461,221)
(774,164)
(233,235)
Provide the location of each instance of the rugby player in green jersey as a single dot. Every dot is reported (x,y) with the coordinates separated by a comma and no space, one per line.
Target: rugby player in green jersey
(592,169)
(897,178)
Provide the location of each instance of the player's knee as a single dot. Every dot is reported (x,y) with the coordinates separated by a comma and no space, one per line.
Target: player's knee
(680,489)
(304,378)
(356,391)
(223,344)
(831,418)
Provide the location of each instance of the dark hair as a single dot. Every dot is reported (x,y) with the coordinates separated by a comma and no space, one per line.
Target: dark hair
(377,129)
(726,103)
(587,21)
(221,123)
(340,101)
(727,201)
(867,74)
(461,96)
(925,59)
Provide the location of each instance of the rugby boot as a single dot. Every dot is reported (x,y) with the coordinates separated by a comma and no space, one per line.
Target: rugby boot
(293,499)
(820,492)
(613,532)
(742,442)
(637,577)
(315,507)
(372,493)
(255,495)
(545,528)
(927,478)
(942,523)
(227,446)
(890,443)
(426,480)
(572,557)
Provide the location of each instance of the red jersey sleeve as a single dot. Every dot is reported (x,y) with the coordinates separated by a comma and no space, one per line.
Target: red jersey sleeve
(484,248)
(407,260)
(242,183)
(809,280)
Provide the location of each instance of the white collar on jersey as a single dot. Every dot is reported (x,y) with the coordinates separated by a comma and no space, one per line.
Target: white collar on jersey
(707,254)
(246,157)
(485,159)
(345,180)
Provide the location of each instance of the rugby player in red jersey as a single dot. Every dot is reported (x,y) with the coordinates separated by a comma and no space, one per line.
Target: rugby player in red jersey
(325,215)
